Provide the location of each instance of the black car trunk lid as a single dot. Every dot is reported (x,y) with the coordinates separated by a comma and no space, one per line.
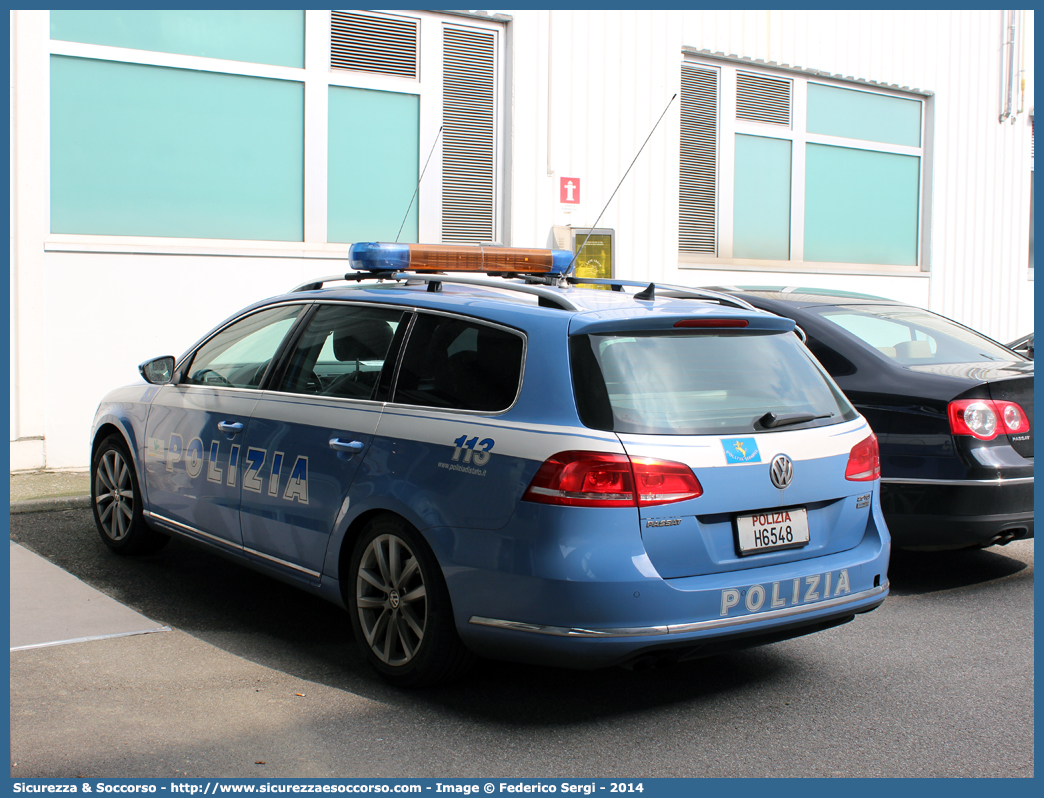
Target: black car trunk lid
(1020,391)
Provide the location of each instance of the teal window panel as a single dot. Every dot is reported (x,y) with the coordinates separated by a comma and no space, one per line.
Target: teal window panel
(863,115)
(373,165)
(761,213)
(861,206)
(260,37)
(150,151)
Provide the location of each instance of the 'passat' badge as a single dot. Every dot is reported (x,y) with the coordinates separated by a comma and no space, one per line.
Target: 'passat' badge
(741,450)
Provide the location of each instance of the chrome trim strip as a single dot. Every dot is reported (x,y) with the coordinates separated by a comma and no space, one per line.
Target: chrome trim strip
(230,544)
(563,631)
(192,530)
(264,556)
(647,631)
(999,481)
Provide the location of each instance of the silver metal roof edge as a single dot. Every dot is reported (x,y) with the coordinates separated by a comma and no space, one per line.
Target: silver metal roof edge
(799,70)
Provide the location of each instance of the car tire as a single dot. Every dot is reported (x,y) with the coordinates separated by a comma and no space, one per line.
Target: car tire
(117,502)
(400,607)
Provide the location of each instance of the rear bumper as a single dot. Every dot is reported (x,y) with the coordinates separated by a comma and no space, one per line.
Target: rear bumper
(933,515)
(586,648)
(630,614)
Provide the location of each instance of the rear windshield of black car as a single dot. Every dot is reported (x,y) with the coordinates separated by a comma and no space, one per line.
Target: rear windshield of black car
(699,383)
(912,336)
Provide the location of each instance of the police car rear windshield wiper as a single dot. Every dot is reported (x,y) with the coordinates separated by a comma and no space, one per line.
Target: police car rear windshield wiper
(770,420)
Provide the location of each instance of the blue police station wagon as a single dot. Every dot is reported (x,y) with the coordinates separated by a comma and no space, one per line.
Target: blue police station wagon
(477,454)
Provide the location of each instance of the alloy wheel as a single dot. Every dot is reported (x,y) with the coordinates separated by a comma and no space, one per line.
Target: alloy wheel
(391,600)
(114,495)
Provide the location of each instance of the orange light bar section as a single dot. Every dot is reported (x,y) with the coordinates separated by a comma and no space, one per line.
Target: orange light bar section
(449,258)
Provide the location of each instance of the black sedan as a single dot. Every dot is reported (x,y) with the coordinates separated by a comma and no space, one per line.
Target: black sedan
(952,409)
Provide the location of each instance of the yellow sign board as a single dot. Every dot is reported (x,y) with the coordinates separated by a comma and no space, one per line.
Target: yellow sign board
(594,254)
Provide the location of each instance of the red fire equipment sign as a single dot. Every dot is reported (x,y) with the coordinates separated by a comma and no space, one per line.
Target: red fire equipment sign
(569,190)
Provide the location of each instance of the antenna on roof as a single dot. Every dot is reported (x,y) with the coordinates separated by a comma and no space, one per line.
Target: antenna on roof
(572,263)
(416,190)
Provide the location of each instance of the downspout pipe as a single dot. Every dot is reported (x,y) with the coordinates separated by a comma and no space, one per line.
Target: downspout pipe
(1008,70)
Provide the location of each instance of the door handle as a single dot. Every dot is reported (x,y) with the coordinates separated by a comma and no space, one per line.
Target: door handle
(230,428)
(346,446)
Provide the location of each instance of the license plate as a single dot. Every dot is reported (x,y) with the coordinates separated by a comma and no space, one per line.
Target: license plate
(771,530)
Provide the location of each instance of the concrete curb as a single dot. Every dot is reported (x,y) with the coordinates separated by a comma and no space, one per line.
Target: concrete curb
(49,505)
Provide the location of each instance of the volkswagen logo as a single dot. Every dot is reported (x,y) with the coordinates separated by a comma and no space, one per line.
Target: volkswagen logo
(781,472)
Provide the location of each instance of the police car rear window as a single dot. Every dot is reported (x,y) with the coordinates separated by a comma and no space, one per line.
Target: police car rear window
(702,383)
(453,363)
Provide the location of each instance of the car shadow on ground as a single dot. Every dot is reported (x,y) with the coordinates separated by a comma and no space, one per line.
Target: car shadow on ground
(914,573)
(281,627)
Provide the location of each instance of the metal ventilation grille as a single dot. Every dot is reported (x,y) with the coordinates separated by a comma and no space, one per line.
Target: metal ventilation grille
(468,136)
(385,45)
(698,202)
(762,99)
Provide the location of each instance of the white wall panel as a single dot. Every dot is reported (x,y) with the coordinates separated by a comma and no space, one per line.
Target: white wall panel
(120,310)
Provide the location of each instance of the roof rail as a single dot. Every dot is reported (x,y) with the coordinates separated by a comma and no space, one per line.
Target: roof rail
(547,297)
(319,282)
(717,296)
(698,293)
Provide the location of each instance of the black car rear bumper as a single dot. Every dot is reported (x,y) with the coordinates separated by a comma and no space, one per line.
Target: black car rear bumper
(932,515)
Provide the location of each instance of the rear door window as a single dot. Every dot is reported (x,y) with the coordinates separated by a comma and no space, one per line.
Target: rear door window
(342,351)
(456,363)
(701,383)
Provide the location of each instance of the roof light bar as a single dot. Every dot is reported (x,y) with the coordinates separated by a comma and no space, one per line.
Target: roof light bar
(377,257)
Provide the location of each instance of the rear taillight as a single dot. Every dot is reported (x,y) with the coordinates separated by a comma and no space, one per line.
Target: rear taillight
(663,481)
(864,461)
(599,479)
(985,419)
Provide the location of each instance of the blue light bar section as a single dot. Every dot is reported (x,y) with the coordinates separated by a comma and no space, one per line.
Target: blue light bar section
(560,260)
(369,256)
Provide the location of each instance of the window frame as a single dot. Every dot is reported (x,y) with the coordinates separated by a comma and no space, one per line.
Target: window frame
(728,127)
(391,401)
(275,363)
(290,345)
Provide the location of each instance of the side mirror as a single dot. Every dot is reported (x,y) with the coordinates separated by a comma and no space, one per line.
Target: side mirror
(158,371)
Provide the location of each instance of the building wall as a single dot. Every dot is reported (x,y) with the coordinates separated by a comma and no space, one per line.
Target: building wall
(611,73)
(97,286)
(577,95)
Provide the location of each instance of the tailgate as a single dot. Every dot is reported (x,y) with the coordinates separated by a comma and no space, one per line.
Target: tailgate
(698,536)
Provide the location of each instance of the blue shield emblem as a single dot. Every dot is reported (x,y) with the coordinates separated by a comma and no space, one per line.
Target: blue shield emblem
(741,450)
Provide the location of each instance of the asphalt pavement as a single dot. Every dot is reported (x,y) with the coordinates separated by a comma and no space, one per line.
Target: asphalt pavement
(258,679)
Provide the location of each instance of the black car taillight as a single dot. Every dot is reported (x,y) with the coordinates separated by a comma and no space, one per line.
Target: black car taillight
(985,419)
